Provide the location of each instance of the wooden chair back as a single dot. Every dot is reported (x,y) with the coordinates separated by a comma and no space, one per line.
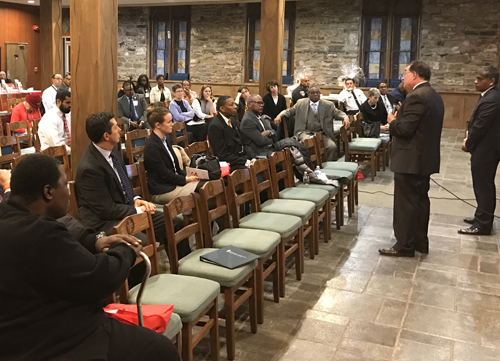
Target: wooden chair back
(283,159)
(34,134)
(21,125)
(171,210)
(11,103)
(134,150)
(261,168)
(60,151)
(9,148)
(183,138)
(199,147)
(310,143)
(17,159)
(73,204)
(143,180)
(213,193)
(132,225)
(240,194)
(285,127)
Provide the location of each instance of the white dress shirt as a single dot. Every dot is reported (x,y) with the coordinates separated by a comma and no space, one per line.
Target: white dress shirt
(347,98)
(49,98)
(107,155)
(164,141)
(155,94)
(314,106)
(225,119)
(51,129)
(387,103)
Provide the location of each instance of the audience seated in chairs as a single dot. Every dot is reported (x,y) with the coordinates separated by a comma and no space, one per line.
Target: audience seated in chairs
(374,115)
(182,112)
(256,129)
(55,127)
(51,296)
(103,190)
(189,95)
(351,97)
(314,115)
(132,108)
(143,86)
(224,135)
(160,93)
(166,179)
(28,110)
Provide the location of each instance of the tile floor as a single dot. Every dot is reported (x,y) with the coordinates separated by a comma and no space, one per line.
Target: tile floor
(353,304)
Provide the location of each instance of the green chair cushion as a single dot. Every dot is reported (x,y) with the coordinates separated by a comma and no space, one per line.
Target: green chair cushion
(252,240)
(191,265)
(189,295)
(317,196)
(348,166)
(283,224)
(302,209)
(338,173)
(174,326)
(331,189)
(368,144)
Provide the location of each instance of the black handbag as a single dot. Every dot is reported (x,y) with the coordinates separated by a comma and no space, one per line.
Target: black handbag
(371,130)
(207,162)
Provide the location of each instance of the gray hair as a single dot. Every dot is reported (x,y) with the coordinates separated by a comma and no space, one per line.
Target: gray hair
(373,92)
(489,72)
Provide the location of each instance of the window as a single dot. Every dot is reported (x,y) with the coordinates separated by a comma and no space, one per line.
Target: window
(171,30)
(390,37)
(254,37)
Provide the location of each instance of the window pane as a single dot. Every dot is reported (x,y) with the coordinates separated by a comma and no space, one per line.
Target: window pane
(406,23)
(374,58)
(285,55)
(375,45)
(376,24)
(255,75)
(183,26)
(405,45)
(404,42)
(285,44)
(182,44)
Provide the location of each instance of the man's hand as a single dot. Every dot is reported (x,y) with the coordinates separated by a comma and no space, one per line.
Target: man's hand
(4,178)
(265,133)
(391,117)
(384,127)
(346,123)
(277,120)
(134,124)
(145,206)
(103,243)
(464,148)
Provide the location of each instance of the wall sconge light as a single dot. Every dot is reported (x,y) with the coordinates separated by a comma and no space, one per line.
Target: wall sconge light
(36,28)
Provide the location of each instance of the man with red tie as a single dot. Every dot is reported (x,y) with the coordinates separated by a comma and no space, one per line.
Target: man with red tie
(55,127)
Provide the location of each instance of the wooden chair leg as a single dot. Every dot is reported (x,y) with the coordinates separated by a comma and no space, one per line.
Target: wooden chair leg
(372,165)
(356,190)
(187,342)
(230,329)
(281,266)
(341,206)
(315,231)
(259,291)
(299,255)
(252,304)
(276,277)
(213,314)
(327,221)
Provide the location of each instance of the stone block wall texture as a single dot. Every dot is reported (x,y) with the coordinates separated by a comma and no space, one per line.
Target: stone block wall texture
(457,37)
(218,43)
(327,37)
(133,42)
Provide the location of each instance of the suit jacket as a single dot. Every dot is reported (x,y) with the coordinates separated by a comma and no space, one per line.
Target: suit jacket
(99,192)
(483,141)
(416,132)
(251,133)
(381,104)
(50,303)
(141,109)
(226,142)
(327,114)
(398,96)
(162,178)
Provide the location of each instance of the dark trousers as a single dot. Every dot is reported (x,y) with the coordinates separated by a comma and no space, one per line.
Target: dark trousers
(411,212)
(200,132)
(483,182)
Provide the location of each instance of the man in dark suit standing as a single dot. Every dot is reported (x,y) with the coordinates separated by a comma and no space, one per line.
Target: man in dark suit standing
(132,108)
(483,143)
(103,189)
(224,135)
(416,133)
(256,130)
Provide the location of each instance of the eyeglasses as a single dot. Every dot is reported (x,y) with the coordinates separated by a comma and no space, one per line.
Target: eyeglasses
(260,103)
(315,93)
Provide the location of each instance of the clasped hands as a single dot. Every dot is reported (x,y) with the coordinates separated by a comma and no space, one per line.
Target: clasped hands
(104,243)
(144,206)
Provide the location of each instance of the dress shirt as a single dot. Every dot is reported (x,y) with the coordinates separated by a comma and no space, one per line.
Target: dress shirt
(260,121)
(51,129)
(314,106)
(425,81)
(387,103)
(347,98)
(197,110)
(107,155)
(49,98)
(483,93)
(164,141)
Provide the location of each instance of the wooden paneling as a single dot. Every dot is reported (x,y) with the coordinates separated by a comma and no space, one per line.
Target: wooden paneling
(94,68)
(17,27)
(51,40)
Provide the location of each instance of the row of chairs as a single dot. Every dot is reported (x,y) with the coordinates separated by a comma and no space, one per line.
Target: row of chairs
(8,102)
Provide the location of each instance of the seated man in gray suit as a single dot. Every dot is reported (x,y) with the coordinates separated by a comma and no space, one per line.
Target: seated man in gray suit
(132,109)
(256,130)
(314,115)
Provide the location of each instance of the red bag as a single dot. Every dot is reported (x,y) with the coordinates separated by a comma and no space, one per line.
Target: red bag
(155,316)
(224,169)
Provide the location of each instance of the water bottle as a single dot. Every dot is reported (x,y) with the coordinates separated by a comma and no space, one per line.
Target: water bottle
(317,171)
(305,178)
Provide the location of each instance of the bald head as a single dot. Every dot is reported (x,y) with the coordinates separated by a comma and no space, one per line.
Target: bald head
(255,104)
(304,80)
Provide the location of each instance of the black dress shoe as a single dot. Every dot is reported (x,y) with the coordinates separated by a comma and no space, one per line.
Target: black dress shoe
(469,220)
(474,231)
(391,252)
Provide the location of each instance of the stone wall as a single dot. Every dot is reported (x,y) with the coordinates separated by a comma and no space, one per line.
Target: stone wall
(218,43)
(457,37)
(327,36)
(133,42)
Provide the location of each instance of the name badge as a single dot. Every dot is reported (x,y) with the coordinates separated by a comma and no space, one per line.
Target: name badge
(136,103)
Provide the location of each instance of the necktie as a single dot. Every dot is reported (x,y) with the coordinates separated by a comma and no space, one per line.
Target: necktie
(66,129)
(229,123)
(388,107)
(314,107)
(128,191)
(133,116)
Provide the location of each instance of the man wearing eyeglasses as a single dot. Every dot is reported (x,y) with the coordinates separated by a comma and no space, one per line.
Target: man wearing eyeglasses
(416,134)
(313,115)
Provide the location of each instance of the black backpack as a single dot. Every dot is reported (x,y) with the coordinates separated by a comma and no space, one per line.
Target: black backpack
(207,162)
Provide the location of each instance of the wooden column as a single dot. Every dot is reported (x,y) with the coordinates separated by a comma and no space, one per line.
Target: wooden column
(94,48)
(272,25)
(51,40)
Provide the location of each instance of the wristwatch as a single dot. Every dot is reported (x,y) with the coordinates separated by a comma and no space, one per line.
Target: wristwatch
(99,235)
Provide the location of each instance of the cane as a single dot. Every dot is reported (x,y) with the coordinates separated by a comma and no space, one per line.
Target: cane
(142,287)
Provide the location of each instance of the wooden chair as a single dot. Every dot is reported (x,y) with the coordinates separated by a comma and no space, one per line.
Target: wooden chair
(73,204)
(135,144)
(9,148)
(34,133)
(11,103)
(193,298)
(60,153)
(17,159)
(335,193)
(199,147)
(384,150)
(11,127)
(184,138)
(239,281)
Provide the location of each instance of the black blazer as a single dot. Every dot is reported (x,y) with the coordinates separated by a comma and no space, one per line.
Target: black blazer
(161,175)
(381,104)
(226,142)
(371,115)
(270,109)
(98,191)
(483,141)
(416,132)
(251,133)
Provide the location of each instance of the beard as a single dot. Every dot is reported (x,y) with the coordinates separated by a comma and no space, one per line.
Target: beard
(64,109)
